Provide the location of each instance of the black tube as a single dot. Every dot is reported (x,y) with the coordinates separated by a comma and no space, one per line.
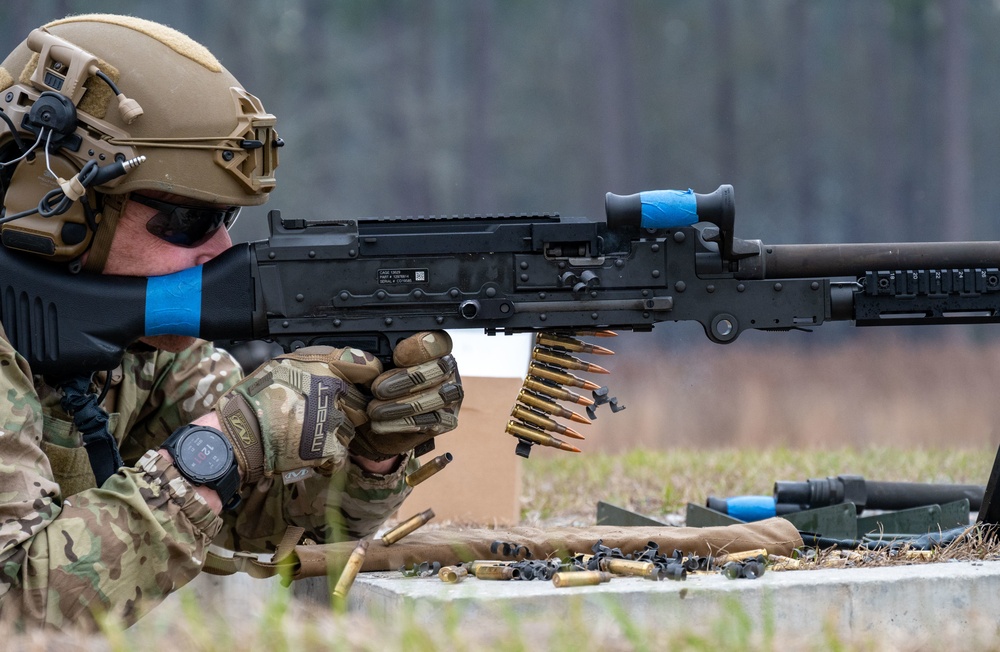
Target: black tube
(904,495)
(809,260)
(872,494)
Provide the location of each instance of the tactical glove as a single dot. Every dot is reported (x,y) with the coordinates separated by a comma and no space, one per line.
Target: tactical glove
(414,402)
(298,410)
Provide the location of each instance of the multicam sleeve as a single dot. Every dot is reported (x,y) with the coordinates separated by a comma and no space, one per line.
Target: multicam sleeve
(369,499)
(347,504)
(120,548)
(182,387)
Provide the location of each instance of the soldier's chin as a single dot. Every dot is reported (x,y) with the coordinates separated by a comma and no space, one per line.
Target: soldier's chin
(169,343)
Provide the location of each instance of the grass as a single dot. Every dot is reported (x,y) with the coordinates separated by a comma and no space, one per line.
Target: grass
(566,488)
(701,421)
(557,490)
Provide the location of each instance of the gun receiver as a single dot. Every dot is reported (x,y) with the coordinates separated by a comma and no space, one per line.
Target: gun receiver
(660,256)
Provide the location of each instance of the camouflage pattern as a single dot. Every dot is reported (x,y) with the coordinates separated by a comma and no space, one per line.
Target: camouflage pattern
(297,411)
(70,551)
(417,400)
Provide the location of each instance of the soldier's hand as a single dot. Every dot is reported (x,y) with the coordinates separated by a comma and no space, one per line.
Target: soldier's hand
(298,410)
(414,402)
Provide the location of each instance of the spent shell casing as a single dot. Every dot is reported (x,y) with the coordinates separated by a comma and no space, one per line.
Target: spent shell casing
(350,572)
(473,565)
(540,437)
(580,578)
(561,377)
(555,341)
(753,569)
(497,573)
(732,570)
(453,574)
(628,567)
(722,560)
(539,419)
(428,469)
(782,563)
(548,388)
(565,361)
(407,527)
(549,407)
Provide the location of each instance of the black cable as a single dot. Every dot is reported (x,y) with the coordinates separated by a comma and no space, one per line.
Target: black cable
(107,80)
(13,130)
(104,390)
(17,216)
(55,202)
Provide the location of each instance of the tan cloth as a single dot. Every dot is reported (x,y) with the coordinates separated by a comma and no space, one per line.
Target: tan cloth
(449,546)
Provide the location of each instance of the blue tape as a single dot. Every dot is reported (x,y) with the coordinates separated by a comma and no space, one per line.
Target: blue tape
(173,303)
(751,508)
(664,209)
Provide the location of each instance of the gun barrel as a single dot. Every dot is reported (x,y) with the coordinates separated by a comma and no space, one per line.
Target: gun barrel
(813,260)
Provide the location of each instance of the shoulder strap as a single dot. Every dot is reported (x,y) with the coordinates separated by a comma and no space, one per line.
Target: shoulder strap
(92,422)
(253,564)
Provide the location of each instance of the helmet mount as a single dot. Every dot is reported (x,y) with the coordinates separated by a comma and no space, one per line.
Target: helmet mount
(192,127)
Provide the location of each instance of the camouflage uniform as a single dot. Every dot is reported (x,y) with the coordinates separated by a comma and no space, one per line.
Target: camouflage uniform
(69,550)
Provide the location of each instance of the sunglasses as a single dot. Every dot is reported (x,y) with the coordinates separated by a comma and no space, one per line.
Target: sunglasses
(183,225)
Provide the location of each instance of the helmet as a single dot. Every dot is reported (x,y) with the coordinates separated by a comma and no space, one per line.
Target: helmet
(98,106)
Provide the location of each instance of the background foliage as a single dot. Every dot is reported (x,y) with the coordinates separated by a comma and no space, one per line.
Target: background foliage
(836,121)
(851,120)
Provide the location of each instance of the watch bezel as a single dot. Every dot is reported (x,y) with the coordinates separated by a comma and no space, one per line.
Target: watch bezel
(176,448)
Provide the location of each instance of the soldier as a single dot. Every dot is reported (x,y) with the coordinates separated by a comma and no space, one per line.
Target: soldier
(128,150)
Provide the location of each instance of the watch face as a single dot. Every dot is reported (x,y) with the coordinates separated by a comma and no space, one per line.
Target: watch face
(204,455)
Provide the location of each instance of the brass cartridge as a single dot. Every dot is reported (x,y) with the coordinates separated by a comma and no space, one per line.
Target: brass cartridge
(780,563)
(552,390)
(628,567)
(350,572)
(565,361)
(580,578)
(533,417)
(497,573)
(561,377)
(549,407)
(540,437)
(428,469)
(407,527)
(555,341)
(722,560)
(473,565)
(453,574)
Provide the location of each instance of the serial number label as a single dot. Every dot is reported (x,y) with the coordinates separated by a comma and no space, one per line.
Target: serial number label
(401,276)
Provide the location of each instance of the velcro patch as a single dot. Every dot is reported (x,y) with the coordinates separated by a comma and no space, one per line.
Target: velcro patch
(322,417)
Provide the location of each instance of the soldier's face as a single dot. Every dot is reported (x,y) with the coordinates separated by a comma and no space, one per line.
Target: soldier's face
(137,252)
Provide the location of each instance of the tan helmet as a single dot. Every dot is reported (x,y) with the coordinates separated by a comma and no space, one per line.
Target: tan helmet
(96,90)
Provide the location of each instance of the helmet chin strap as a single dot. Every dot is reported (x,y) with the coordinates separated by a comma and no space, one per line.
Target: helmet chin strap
(97,255)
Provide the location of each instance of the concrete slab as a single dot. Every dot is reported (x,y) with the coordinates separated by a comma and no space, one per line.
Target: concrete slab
(918,604)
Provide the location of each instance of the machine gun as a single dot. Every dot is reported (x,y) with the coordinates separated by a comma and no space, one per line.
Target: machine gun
(660,256)
(368,283)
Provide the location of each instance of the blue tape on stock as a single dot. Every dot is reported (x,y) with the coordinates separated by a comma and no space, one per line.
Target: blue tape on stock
(664,209)
(173,303)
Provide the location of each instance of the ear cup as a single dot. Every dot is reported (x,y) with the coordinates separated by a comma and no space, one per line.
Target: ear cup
(61,237)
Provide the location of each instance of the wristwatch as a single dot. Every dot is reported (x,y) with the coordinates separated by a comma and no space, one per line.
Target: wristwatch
(204,456)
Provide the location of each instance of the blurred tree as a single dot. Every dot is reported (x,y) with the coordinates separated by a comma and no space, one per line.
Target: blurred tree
(957,160)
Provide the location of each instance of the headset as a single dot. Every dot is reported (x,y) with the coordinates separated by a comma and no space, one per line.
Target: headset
(59,160)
